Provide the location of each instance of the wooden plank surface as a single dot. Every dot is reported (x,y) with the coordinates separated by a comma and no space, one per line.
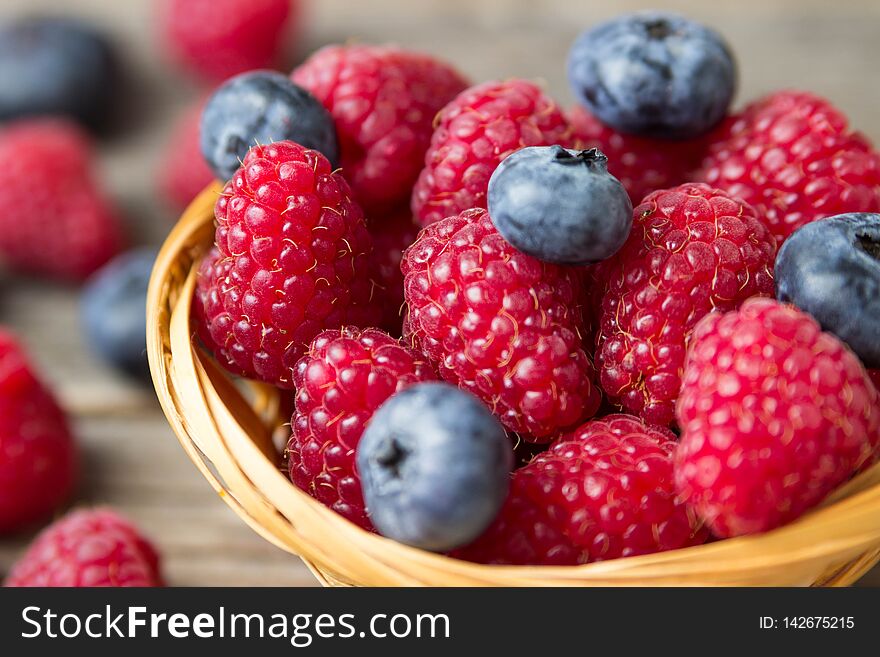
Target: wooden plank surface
(131,459)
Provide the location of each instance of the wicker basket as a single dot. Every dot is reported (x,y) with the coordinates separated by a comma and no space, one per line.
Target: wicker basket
(227,432)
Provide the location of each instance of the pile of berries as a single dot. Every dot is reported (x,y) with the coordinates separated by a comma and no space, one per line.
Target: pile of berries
(626,249)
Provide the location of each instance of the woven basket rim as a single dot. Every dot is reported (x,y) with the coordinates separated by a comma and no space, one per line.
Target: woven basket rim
(230,443)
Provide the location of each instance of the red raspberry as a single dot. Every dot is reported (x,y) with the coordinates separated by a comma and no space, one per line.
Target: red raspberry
(693,249)
(38,461)
(477,130)
(54,220)
(602,492)
(642,165)
(390,238)
(184,172)
(94,547)
(383,100)
(792,156)
(340,383)
(219,38)
(501,324)
(293,260)
(775,414)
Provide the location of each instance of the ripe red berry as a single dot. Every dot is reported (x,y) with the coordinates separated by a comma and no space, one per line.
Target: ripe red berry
(604,491)
(775,414)
(383,100)
(499,323)
(692,249)
(474,132)
(183,172)
(293,259)
(792,156)
(89,547)
(217,39)
(340,382)
(390,238)
(38,461)
(54,220)
(641,164)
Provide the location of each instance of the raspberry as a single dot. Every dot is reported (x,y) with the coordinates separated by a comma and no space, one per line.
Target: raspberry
(500,324)
(693,249)
(383,100)
(792,156)
(184,172)
(88,547)
(293,259)
(642,164)
(219,38)
(775,414)
(482,126)
(340,382)
(604,491)
(390,238)
(38,462)
(54,220)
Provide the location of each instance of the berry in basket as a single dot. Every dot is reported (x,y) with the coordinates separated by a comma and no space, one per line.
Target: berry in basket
(774,413)
(692,250)
(474,133)
(383,100)
(501,324)
(603,491)
(559,205)
(435,466)
(260,107)
(292,259)
(831,269)
(38,460)
(794,158)
(86,548)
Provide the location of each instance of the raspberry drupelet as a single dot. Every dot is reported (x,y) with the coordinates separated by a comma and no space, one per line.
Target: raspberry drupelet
(774,414)
(793,157)
(604,491)
(340,382)
(500,324)
(292,259)
(474,133)
(692,249)
(383,100)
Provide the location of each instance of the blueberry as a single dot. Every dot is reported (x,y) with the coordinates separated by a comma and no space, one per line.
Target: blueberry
(830,268)
(56,66)
(435,467)
(654,74)
(559,205)
(113,311)
(262,107)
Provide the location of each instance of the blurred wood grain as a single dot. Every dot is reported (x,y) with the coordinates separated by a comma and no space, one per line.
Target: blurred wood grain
(131,459)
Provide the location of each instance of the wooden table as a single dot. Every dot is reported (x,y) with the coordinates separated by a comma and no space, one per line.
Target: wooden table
(131,459)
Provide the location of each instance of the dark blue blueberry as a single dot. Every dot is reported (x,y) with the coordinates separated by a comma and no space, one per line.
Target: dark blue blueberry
(262,107)
(113,311)
(831,269)
(56,66)
(654,74)
(559,205)
(435,467)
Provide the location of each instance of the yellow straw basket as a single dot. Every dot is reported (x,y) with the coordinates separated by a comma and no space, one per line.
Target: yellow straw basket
(228,435)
